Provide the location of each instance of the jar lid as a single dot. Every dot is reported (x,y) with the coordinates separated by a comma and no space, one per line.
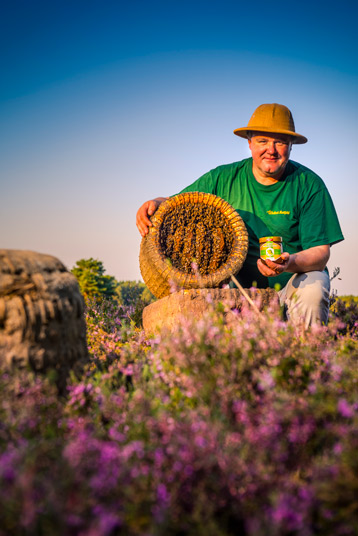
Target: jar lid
(270,239)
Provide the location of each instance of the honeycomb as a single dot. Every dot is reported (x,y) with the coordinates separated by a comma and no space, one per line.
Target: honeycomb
(195,233)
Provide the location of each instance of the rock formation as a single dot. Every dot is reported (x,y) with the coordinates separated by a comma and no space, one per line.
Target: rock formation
(41,315)
(192,304)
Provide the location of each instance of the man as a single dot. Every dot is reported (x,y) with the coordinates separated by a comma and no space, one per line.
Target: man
(276,197)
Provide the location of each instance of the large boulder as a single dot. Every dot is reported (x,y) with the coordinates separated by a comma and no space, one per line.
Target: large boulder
(192,304)
(41,315)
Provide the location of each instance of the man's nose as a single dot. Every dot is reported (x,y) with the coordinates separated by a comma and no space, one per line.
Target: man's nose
(271,147)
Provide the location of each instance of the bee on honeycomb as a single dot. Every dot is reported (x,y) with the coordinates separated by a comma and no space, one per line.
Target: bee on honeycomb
(199,233)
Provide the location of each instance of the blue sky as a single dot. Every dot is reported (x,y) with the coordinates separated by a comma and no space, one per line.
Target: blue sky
(104,105)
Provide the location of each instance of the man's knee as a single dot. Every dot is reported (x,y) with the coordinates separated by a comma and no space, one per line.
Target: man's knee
(306,297)
(312,289)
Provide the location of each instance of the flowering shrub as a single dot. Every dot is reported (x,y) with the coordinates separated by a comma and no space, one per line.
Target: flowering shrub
(248,428)
(345,309)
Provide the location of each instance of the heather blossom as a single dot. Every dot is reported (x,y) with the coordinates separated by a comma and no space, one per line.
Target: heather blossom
(215,429)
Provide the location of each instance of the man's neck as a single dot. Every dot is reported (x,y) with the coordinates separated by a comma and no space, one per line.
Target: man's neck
(264,178)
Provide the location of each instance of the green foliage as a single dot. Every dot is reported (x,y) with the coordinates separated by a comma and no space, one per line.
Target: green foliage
(135,295)
(349,299)
(97,287)
(130,292)
(92,280)
(345,309)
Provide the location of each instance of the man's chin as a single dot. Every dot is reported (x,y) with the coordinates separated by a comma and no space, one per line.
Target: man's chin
(273,173)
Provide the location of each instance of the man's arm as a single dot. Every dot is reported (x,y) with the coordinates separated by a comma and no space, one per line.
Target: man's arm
(146,210)
(307,260)
(205,183)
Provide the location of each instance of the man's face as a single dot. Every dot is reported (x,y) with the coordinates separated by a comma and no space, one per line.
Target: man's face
(270,153)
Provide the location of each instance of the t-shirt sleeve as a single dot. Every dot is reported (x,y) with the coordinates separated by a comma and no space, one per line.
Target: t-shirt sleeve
(318,223)
(206,183)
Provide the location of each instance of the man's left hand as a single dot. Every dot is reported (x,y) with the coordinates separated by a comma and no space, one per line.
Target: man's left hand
(272,268)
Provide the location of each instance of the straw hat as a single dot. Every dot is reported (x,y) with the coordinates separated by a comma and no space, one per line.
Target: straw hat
(275,118)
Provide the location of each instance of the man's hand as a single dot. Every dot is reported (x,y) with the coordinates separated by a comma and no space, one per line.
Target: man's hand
(272,268)
(307,260)
(146,210)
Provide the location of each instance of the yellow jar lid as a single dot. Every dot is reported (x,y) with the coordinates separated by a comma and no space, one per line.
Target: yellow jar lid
(270,239)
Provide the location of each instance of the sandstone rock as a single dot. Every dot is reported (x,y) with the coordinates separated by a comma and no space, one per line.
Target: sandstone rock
(41,314)
(167,312)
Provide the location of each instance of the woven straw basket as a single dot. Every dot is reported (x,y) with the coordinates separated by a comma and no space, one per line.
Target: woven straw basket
(157,271)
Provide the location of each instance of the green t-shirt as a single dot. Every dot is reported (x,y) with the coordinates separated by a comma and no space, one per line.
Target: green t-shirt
(298,207)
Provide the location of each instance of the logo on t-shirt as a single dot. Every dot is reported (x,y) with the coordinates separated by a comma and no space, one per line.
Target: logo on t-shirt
(271,212)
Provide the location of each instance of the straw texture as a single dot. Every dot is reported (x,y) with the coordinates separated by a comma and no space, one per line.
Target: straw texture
(157,270)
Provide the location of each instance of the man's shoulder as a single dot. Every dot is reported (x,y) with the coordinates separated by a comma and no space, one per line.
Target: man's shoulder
(305,181)
(230,169)
(299,169)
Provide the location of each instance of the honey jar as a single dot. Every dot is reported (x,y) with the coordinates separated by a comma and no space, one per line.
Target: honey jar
(270,247)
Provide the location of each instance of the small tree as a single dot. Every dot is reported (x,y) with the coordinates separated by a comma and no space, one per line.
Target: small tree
(131,292)
(93,283)
(136,295)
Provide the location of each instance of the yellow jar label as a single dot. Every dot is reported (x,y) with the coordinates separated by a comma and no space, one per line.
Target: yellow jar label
(270,250)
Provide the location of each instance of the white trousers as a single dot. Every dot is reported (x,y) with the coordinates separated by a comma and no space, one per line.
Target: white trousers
(306,298)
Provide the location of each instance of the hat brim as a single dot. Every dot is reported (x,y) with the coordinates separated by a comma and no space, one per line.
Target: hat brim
(296,138)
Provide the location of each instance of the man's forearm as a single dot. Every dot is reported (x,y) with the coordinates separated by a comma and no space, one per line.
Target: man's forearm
(308,260)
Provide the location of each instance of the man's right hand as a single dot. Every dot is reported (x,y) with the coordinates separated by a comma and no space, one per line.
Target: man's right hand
(146,210)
